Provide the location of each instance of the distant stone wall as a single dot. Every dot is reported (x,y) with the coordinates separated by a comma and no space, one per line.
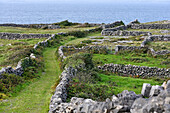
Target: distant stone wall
(97,49)
(149,26)
(133,70)
(155,38)
(106,31)
(155,53)
(117,23)
(48,26)
(131,48)
(16,25)
(110,32)
(13,36)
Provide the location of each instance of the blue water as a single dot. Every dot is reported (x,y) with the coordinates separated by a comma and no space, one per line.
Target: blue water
(93,13)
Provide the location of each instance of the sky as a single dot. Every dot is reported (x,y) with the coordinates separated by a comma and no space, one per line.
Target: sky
(84,1)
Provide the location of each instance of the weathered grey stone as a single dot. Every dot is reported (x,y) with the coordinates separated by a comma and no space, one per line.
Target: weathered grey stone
(168,85)
(146,89)
(155,90)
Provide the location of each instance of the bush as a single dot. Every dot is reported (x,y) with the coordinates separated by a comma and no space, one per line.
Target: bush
(87,41)
(78,34)
(84,59)
(66,23)
(98,92)
(8,81)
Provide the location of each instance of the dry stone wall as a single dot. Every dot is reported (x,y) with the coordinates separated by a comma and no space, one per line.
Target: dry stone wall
(149,26)
(117,23)
(133,70)
(124,33)
(14,36)
(125,102)
(97,49)
(155,53)
(155,38)
(48,26)
(130,48)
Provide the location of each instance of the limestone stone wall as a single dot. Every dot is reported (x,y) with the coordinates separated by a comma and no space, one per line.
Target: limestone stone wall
(60,94)
(155,38)
(131,48)
(112,32)
(97,49)
(155,53)
(149,26)
(125,102)
(17,71)
(48,26)
(117,23)
(143,48)
(133,70)
(13,36)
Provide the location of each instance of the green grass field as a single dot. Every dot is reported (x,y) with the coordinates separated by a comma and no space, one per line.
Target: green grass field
(106,86)
(11,51)
(40,31)
(100,59)
(35,97)
(126,83)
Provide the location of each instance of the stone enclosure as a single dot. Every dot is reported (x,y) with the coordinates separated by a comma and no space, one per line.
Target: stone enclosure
(125,102)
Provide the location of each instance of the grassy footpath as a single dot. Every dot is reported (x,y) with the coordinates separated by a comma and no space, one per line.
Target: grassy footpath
(36,97)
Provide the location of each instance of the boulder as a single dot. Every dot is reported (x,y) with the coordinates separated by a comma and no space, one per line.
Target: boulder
(146,89)
(155,90)
(168,84)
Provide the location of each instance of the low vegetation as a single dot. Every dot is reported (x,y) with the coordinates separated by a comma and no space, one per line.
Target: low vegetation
(14,50)
(99,86)
(133,58)
(32,91)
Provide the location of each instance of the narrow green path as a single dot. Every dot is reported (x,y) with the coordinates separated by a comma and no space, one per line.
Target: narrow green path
(36,97)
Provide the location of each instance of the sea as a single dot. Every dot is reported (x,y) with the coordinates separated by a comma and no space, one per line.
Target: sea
(27,13)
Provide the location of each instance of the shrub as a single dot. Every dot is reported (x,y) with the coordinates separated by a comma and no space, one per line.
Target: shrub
(78,34)
(97,92)
(87,41)
(79,59)
(66,23)
(8,81)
